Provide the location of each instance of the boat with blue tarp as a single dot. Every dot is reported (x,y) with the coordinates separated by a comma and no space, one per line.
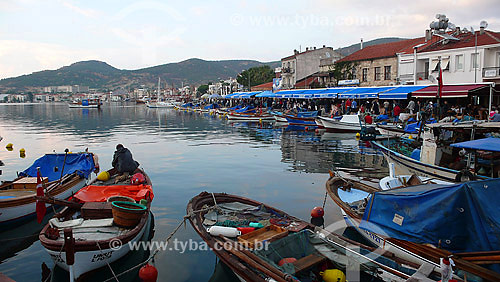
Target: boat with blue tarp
(430,219)
(62,175)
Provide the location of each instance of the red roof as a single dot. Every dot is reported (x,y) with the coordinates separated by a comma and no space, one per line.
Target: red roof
(466,40)
(263,86)
(384,50)
(305,82)
(449,91)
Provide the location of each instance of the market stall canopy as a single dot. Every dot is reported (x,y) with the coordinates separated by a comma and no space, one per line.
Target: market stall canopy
(400,93)
(449,91)
(364,92)
(265,94)
(486,144)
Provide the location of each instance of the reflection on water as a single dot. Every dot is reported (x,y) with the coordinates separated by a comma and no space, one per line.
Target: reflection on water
(184,154)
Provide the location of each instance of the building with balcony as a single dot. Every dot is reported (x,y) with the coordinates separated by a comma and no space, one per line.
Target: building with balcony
(465,57)
(377,65)
(304,64)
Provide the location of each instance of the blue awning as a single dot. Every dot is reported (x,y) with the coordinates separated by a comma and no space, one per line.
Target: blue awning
(331,92)
(400,92)
(364,92)
(487,144)
(287,93)
(265,94)
(230,96)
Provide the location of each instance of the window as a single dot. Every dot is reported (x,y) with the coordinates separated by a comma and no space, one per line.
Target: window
(364,73)
(474,62)
(459,62)
(426,70)
(354,73)
(387,72)
(378,73)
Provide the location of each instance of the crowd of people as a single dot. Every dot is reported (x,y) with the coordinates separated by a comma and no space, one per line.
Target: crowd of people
(416,108)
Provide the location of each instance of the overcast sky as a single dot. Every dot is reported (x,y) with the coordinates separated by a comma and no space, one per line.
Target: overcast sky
(38,35)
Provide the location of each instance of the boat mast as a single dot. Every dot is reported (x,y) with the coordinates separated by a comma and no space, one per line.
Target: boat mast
(158,98)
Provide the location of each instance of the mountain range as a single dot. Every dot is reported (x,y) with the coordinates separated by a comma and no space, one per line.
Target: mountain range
(100,75)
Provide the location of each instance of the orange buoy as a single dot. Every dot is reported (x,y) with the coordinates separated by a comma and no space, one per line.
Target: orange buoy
(286,260)
(148,273)
(317,212)
(307,128)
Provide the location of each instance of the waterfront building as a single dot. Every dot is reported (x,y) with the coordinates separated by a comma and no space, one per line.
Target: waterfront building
(466,57)
(301,65)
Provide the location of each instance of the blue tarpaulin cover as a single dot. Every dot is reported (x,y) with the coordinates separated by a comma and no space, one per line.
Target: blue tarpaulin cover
(486,144)
(82,163)
(462,217)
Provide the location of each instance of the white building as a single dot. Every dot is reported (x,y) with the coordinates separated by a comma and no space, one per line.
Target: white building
(463,58)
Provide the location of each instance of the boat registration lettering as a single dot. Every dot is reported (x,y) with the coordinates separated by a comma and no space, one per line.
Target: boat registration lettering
(373,236)
(398,219)
(102,256)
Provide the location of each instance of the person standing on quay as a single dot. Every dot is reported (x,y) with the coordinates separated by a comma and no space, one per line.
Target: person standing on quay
(411,107)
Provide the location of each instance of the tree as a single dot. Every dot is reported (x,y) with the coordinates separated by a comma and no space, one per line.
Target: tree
(30,97)
(343,70)
(203,89)
(255,76)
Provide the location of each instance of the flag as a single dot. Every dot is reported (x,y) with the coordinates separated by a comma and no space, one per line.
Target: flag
(40,206)
(440,82)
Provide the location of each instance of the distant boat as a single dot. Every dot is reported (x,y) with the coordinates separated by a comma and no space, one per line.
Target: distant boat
(86,103)
(160,104)
(142,100)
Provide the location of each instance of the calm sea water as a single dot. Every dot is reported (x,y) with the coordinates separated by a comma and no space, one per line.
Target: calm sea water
(184,154)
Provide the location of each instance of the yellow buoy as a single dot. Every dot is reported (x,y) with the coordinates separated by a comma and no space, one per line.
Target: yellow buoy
(333,275)
(410,137)
(22,153)
(260,120)
(103,176)
(10,147)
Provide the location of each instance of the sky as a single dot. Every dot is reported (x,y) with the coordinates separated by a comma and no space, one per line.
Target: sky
(38,35)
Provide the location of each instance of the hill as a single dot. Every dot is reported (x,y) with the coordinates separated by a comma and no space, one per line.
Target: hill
(97,74)
(346,51)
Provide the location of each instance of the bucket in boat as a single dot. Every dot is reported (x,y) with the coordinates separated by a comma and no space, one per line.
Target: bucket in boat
(120,198)
(127,214)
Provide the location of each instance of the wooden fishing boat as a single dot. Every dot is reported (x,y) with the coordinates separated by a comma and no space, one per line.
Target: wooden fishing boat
(62,174)
(432,157)
(86,103)
(287,248)
(302,118)
(255,117)
(356,202)
(105,218)
(348,123)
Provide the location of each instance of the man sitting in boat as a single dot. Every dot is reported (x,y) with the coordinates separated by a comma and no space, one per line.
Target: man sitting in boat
(123,162)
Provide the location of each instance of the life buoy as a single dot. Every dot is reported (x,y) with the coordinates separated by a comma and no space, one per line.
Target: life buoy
(464,175)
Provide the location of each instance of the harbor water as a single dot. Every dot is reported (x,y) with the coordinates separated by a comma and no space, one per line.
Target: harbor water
(184,153)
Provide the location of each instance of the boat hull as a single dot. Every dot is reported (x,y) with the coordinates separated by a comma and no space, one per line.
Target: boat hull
(407,165)
(14,213)
(87,261)
(246,117)
(334,125)
(84,107)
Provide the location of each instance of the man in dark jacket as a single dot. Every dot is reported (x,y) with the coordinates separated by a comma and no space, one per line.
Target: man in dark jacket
(123,161)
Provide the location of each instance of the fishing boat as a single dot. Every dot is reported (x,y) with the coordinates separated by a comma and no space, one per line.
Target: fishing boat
(98,223)
(62,176)
(286,248)
(253,117)
(347,123)
(390,218)
(86,103)
(142,100)
(160,104)
(302,118)
(435,156)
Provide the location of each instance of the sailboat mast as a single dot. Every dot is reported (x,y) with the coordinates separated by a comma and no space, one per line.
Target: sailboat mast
(158,88)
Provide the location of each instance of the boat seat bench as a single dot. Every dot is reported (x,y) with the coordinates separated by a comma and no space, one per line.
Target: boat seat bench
(308,261)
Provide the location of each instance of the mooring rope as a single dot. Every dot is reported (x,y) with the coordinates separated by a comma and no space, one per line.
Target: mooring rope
(152,256)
